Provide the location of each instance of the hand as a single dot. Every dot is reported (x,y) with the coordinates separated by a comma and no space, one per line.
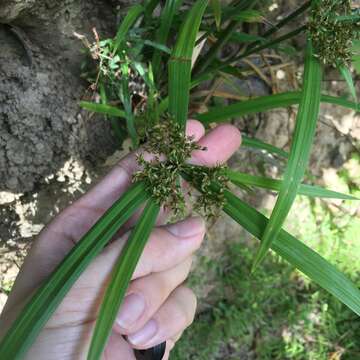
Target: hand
(157,307)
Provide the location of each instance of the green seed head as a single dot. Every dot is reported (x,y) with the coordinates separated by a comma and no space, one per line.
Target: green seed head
(332,37)
(171,148)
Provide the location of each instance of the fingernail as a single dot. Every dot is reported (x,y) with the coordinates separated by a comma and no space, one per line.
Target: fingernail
(144,335)
(188,227)
(131,310)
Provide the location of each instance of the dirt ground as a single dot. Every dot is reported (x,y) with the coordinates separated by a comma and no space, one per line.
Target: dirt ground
(51,152)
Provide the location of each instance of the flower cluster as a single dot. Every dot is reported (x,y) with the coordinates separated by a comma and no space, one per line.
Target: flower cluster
(170,149)
(332,31)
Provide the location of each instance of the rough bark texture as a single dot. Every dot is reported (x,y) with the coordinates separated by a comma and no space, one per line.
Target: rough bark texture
(40,85)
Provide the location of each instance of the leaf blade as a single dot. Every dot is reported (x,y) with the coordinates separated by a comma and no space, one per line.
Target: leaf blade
(304,133)
(44,302)
(296,253)
(180,63)
(102,109)
(346,74)
(219,114)
(130,18)
(216,8)
(166,18)
(120,279)
(275,185)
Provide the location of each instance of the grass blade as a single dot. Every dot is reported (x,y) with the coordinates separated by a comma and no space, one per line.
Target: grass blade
(102,109)
(39,309)
(264,103)
(216,8)
(166,19)
(239,178)
(346,74)
(249,16)
(132,15)
(296,253)
(120,279)
(258,144)
(180,63)
(304,133)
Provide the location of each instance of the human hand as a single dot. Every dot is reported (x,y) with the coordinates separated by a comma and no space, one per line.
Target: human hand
(157,307)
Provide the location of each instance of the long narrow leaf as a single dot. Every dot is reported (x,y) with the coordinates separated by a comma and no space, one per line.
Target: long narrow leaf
(44,302)
(300,151)
(296,253)
(180,63)
(345,72)
(102,109)
(162,34)
(130,18)
(239,178)
(264,103)
(216,8)
(120,279)
(258,144)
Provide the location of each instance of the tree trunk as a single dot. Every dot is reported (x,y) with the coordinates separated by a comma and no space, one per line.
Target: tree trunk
(41,126)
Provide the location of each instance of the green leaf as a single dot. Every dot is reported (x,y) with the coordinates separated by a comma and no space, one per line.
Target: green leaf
(150,6)
(304,133)
(158,46)
(162,34)
(220,114)
(180,63)
(258,144)
(249,16)
(120,279)
(348,18)
(216,8)
(346,74)
(252,106)
(356,55)
(356,63)
(102,109)
(47,298)
(268,44)
(296,253)
(239,178)
(132,15)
